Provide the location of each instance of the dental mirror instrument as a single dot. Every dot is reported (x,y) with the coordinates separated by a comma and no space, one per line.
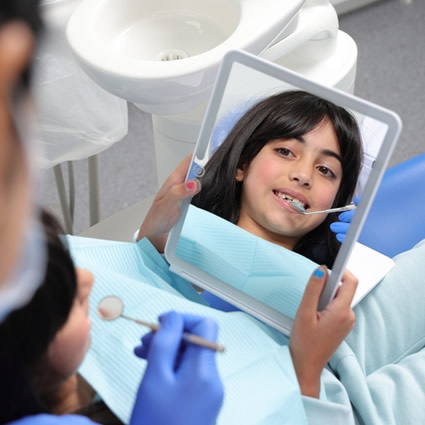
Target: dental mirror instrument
(300,208)
(112,307)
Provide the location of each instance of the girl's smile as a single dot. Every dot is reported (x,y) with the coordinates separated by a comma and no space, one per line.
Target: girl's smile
(286,196)
(306,170)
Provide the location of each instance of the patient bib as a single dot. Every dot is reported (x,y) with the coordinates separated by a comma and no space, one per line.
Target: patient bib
(256,369)
(268,272)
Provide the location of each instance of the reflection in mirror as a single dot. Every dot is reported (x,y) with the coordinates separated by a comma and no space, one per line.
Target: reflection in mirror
(290,148)
(274,149)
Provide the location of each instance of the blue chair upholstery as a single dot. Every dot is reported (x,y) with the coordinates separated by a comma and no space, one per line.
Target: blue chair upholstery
(396,221)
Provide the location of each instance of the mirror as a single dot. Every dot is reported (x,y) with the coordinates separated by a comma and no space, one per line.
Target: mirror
(270,139)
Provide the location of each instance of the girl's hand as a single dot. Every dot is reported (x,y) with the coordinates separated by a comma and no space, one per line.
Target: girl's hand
(316,335)
(165,208)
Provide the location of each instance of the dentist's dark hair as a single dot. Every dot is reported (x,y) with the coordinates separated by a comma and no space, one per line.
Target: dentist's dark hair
(286,115)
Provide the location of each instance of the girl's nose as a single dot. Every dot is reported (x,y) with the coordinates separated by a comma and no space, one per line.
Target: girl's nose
(85,280)
(302,177)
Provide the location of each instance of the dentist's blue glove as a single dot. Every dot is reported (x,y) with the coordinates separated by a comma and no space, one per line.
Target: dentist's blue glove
(340,228)
(181,385)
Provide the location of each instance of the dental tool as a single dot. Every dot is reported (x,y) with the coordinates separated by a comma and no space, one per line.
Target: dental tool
(112,307)
(300,208)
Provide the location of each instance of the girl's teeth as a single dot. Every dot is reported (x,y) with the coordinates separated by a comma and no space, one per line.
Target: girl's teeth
(288,198)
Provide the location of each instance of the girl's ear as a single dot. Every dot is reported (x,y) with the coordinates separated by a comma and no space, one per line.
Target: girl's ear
(239,175)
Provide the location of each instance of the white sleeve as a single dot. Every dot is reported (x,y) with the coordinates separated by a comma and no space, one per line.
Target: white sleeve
(321,412)
(333,407)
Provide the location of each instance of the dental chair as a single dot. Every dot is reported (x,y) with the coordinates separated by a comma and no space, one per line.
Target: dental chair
(396,220)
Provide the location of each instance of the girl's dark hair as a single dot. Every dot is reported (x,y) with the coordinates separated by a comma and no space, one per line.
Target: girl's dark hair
(286,115)
(27,332)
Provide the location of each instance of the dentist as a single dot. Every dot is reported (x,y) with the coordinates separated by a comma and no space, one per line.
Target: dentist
(165,396)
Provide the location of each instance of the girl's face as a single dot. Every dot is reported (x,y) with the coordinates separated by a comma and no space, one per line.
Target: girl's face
(307,169)
(70,345)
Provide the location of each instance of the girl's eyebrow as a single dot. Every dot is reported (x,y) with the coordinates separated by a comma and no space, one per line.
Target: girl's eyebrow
(326,152)
(333,154)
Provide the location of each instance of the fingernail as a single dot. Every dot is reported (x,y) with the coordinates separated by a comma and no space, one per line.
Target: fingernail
(319,273)
(190,186)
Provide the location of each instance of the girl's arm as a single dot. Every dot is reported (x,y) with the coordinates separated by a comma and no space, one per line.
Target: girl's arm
(165,208)
(316,335)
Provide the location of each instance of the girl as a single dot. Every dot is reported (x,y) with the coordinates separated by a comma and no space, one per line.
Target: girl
(290,146)
(43,344)
(377,373)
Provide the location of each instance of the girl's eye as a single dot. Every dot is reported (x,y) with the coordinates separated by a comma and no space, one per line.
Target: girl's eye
(284,152)
(326,171)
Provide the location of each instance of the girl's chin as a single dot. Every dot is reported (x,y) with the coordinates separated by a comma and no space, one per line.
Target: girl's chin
(283,232)
(285,227)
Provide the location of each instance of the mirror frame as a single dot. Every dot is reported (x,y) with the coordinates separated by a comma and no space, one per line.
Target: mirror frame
(343,99)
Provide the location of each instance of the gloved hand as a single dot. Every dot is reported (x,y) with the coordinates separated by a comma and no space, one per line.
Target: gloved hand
(341,227)
(181,385)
